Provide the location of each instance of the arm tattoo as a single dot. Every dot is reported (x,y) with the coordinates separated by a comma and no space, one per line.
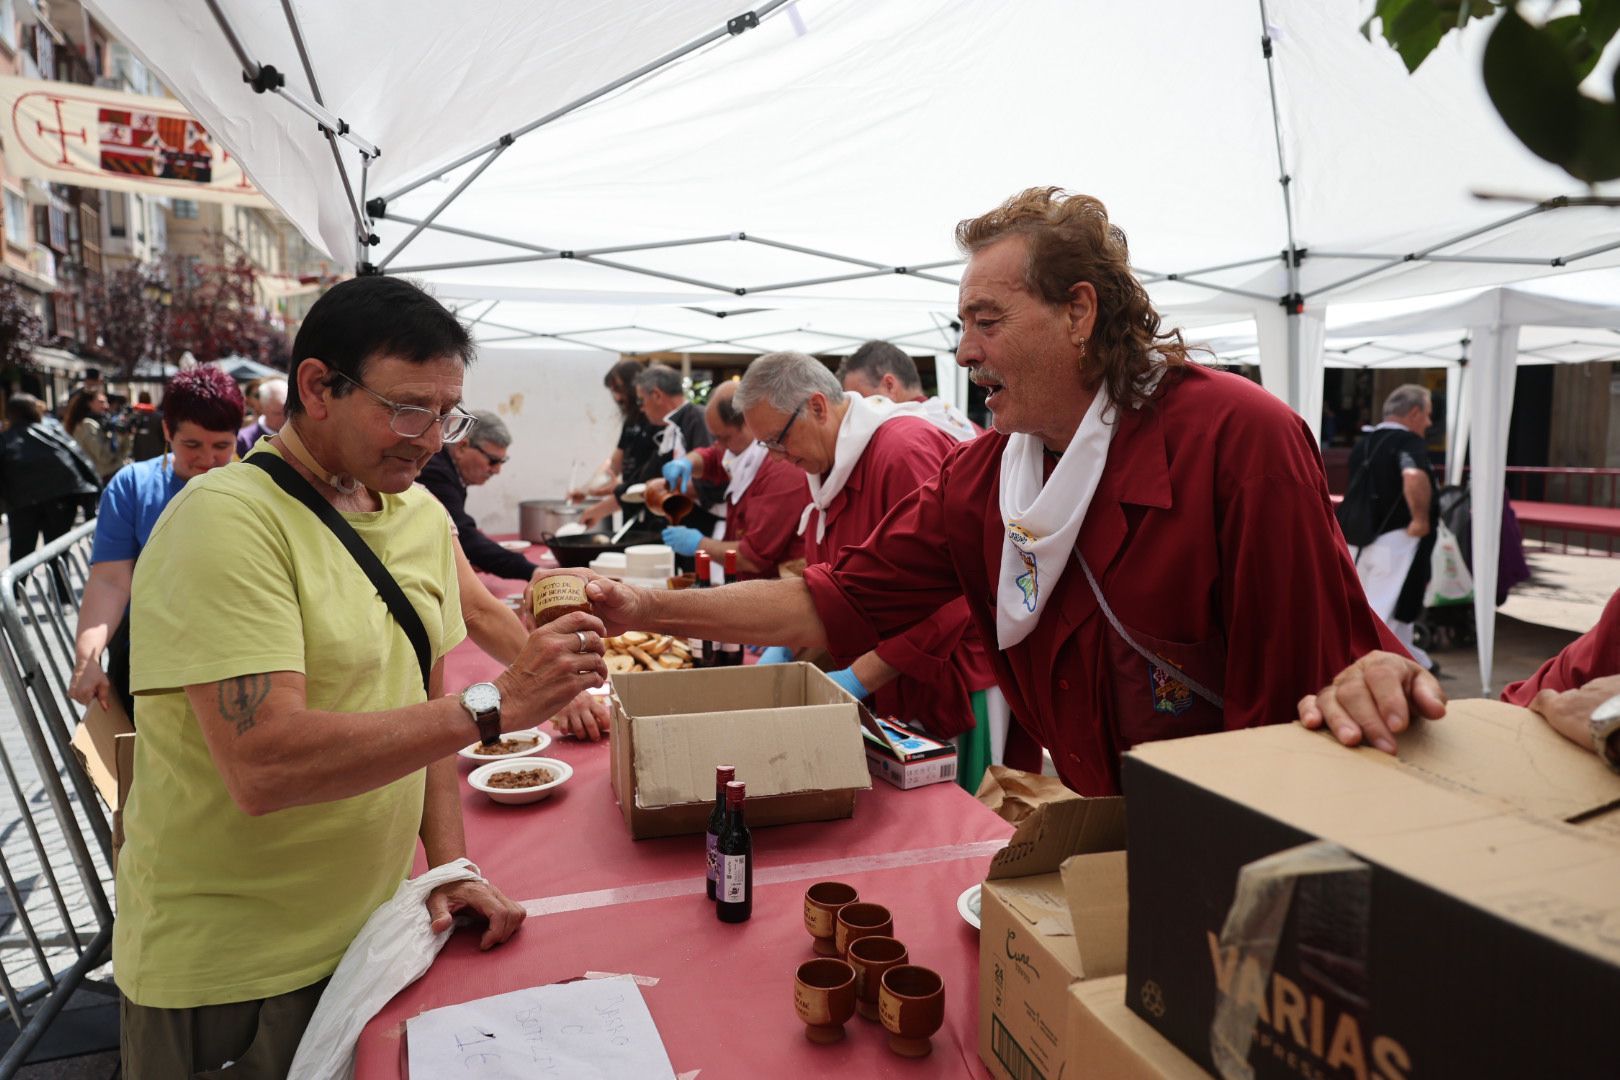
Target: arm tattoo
(240,698)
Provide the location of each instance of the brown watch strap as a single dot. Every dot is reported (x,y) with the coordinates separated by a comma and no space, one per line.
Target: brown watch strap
(489,726)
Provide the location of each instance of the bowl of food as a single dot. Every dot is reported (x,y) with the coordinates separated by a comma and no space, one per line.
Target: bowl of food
(523,743)
(521,780)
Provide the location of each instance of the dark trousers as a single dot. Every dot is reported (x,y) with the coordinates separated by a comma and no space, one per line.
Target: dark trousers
(45,520)
(259,1037)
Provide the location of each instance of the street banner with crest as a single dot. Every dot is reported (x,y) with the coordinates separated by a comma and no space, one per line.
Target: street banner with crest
(65,133)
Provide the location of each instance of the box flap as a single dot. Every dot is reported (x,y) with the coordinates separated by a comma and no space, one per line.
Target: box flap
(776,752)
(95,742)
(1038,899)
(1094,888)
(1512,756)
(1057,830)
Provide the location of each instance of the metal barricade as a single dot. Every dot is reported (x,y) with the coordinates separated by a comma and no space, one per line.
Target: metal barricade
(55,835)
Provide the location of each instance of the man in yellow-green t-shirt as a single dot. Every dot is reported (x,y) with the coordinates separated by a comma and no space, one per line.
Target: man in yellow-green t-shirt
(289,758)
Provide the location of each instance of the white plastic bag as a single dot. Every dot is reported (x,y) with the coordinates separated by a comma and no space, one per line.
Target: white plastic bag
(1449,579)
(392,950)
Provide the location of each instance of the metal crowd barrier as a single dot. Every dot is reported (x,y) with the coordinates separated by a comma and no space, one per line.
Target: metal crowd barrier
(55,833)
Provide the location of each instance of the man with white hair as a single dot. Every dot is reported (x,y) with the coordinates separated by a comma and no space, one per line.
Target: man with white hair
(272,399)
(878,367)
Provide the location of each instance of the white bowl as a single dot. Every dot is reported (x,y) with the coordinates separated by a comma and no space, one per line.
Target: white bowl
(540,739)
(649,561)
(635,493)
(561,773)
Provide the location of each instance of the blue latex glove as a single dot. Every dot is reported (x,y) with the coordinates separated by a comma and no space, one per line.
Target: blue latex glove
(678,475)
(682,540)
(776,654)
(845,677)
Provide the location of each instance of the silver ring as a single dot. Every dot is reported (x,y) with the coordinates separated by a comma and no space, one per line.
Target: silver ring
(581,635)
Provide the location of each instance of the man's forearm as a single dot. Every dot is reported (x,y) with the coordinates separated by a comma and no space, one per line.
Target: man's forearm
(443,837)
(753,612)
(100,614)
(1416,488)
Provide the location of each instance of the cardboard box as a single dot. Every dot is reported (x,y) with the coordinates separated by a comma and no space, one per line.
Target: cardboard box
(1106,1041)
(906,758)
(1051,911)
(792,733)
(104,743)
(1457,925)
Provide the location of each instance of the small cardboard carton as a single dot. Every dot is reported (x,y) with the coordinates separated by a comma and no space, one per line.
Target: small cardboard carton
(1051,911)
(1105,1039)
(906,758)
(1300,909)
(792,733)
(104,743)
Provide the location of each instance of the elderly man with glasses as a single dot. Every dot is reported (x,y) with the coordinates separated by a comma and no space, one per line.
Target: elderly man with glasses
(468,463)
(295,738)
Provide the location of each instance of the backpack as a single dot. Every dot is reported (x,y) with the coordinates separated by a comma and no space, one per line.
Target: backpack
(1355,511)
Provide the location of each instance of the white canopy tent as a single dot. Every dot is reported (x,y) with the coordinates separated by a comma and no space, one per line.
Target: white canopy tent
(1264,158)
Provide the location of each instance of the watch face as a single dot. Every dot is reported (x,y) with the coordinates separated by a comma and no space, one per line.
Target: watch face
(481,697)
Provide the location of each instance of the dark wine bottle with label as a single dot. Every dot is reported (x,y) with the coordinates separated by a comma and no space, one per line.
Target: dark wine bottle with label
(723,775)
(734,858)
(728,653)
(703,650)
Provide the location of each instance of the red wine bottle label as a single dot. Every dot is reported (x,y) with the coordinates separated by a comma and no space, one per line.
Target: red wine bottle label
(733,884)
(713,872)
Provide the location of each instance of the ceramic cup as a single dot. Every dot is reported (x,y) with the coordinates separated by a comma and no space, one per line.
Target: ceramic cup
(911,1004)
(871,957)
(822,902)
(861,920)
(824,998)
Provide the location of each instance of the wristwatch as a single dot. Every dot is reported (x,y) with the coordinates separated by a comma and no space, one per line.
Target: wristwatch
(483,703)
(1605,728)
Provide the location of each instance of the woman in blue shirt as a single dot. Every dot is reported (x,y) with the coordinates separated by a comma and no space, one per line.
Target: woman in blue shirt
(202,412)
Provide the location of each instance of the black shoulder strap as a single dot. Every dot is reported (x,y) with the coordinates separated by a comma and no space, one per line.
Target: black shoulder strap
(287,478)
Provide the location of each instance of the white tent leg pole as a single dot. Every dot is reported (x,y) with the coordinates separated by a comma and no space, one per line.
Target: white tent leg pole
(1454,411)
(1271,326)
(1307,340)
(1465,420)
(1490,389)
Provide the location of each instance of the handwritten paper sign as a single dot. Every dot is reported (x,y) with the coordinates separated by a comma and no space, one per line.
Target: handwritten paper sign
(594,1029)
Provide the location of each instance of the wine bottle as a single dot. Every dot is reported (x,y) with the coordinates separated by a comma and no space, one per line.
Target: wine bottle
(728,653)
(723,775)
(734,851)
(703,650)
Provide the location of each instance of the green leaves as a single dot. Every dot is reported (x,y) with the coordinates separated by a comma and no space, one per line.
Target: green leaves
(1532,73)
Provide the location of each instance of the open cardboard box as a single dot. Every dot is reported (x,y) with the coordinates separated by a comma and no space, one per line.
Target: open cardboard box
(792,733)
(1106,1040)
(1051,911)
(104,743)
(1463,918)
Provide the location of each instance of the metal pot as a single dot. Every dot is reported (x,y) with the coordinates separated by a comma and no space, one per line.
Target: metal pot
(539,518)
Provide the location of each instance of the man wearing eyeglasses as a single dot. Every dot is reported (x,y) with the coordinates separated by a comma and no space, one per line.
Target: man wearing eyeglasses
(295,740)
(468,463)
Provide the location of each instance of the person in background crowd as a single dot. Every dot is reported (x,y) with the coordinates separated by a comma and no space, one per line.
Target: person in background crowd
(146,438)
(202,412)
(635,454)
(448,475)
(878,367)
(681,429)
(292,748)
(44,476)
(765,496)
(271,399)
(1392,489)
(84,419)
(1577,692)
(1122,538)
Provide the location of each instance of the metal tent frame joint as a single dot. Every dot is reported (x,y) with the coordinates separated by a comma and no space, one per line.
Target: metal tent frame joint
(267,78)
(739,24)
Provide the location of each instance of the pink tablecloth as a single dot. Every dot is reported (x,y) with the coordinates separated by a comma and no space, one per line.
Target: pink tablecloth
(723,1000)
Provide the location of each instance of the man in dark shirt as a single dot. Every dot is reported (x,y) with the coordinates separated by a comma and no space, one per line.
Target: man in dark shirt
(450,472)
(662,397)
(1390,468)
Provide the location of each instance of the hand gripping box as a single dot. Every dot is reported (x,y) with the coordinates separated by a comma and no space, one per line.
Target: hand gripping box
(792,733)
(1298,909)
(1051,911)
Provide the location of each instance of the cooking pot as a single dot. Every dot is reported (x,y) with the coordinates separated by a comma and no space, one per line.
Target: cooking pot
(580,550)
(539,517)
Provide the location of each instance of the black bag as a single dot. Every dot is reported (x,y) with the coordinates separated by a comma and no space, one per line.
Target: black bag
(1355,511)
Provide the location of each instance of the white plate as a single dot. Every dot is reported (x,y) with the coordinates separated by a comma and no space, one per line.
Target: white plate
(967,905)
(561,772)
(540,738)
(515,545)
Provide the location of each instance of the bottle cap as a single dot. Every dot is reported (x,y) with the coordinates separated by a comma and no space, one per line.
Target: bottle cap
(736,791)
(702,561)
(731,563)
(725,774)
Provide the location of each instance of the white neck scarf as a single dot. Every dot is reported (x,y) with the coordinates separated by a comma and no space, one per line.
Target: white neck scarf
(1043,517)
(861,421)
(948,418)
(742,468)
(672,440)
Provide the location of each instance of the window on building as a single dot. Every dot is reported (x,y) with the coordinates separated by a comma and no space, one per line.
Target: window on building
(117,215)
(8,24)
(17,222)
(185,208)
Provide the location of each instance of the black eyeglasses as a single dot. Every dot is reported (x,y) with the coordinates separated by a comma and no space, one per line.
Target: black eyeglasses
(489,457)
(779,443)
(413,421)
